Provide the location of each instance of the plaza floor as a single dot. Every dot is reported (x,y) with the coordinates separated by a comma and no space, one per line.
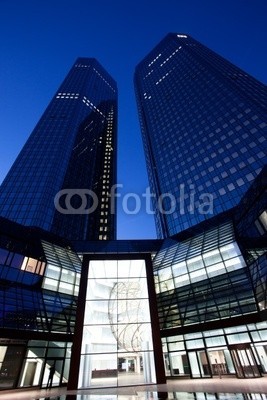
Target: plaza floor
(182,389)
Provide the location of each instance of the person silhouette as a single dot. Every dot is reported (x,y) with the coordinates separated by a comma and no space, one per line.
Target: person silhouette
(52,370)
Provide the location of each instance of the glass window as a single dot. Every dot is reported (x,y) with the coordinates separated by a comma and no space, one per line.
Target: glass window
(238,338)
(17,260)
(194,344)
(215,341)
(52,271)
(176,346)
(212,257)
(263,219)
(3,255)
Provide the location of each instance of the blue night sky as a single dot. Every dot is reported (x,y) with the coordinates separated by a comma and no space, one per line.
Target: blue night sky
(41,39)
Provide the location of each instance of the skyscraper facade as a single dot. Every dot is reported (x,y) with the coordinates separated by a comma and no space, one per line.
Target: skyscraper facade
(127,313)
(203,123)
(133,312)
(61,178)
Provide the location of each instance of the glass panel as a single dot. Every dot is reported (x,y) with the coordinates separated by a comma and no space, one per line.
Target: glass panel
(193,335)
(179,269)
(133,310)
(212,257)
(215,270)
(17,261)
(218,362)
(203,363)
(245,363)
(10,361)
(263,334)
(96,312)
(176,346)
(100,269)
(214,332)
(234,263)
(215,341)
(50,284)
(229,251)
(31,372)
(195,263)
(52,373)
(192,344)
(65,288)
(198,275)
(262,355)
(229,362)
(263,219)
(176,338)
(237,364)
(240,328)
(238,338)
(98,370)
(131,268)
(167,285)
(178,364)
(67,276)
(136,368)
(194,364)
(3,256)
(164,274)
(99,339)
(182,280)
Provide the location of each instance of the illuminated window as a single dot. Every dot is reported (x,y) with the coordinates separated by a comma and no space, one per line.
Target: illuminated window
(117,336)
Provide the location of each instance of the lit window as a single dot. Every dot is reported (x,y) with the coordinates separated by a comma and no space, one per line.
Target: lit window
(231,187)
(249,177)
(240,182)
(263,219)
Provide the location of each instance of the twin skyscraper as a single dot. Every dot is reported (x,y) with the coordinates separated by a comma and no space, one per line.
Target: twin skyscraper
(204,136)
(108,313)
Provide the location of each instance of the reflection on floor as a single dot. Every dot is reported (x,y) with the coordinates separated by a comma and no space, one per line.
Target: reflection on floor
(165,396)
(178,389)
(123,379)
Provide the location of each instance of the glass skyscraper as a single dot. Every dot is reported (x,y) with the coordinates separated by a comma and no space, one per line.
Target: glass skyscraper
(203,123)
(133,312)
(61,179)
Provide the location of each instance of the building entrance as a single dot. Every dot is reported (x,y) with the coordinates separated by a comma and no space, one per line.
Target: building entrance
(199,364)
(221,362)
(244,361)
(117,345)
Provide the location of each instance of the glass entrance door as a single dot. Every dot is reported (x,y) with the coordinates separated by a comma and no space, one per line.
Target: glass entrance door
(199,364)
(221,362)
(244,361)
(56,378)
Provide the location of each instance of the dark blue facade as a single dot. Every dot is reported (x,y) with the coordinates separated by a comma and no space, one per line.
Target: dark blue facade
(207,289)
(203,123)
(73,146)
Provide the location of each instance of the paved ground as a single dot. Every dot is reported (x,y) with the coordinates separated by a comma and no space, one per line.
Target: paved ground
(225,388)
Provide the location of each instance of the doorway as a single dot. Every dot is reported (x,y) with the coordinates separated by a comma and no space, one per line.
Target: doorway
(221,362)
(58,376)
(199,364)
(244,361)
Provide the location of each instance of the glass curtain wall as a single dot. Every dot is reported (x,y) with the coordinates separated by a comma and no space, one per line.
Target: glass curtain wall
(239,350)
(40,356)
(117,345)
